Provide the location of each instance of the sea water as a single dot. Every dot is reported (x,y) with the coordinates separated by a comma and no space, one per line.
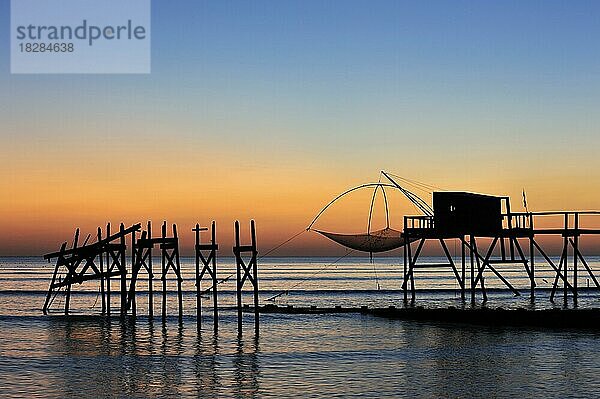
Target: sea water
(332,355)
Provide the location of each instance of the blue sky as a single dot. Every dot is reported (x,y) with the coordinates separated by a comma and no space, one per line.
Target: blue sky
(350,65)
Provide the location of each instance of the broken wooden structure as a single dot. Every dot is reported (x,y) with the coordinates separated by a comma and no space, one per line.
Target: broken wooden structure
(106,260)
(86,262)
(471,218)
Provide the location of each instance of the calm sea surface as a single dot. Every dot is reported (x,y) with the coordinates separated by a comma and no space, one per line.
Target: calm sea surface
(338,355)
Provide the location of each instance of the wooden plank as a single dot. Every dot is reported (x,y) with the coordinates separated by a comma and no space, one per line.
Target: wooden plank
(133,228)
(243,248)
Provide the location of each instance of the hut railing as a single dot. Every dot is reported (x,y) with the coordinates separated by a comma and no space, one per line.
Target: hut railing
(418,222)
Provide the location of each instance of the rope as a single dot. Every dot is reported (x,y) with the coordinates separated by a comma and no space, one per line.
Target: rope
(285,292)
(209,289)
(282,244)
(416,183)
(414,198)
(376,276)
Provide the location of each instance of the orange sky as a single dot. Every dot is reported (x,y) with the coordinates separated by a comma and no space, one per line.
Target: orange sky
(46,194)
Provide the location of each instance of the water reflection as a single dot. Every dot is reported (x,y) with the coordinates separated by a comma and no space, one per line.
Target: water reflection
(206,365)
(125,357)
(246,368)
(322,356)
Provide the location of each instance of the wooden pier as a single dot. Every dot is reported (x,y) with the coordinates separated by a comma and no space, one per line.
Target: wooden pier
(106,260)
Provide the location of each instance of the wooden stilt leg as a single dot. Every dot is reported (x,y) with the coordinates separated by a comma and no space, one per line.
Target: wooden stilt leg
(198,282)
(101,261)
(238,279)
(109,267)
(463,271)
(566,265)
(133,265)
(164,274)
(405,270)
(214,278)
(150,276)
(472,257)
(575,250)
(532,267)
(123,269)
(255,278)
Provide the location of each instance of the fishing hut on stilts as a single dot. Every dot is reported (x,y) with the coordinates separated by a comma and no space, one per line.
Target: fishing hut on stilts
(490,235)
(473,218)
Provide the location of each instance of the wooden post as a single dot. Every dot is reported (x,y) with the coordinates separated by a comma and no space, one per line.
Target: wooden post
(150,275)
(108,269)
(175,254)
(214,277)
(198,285)
(255,271)
(238,276)
(250,272)
(566,249)
(133,264)
(471,239)
(405,247)
(575,251)
(510,229)
(164,274)
(464,264)
(123,272)
(102,292)
(413,292)
(532,257)
(209,264)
